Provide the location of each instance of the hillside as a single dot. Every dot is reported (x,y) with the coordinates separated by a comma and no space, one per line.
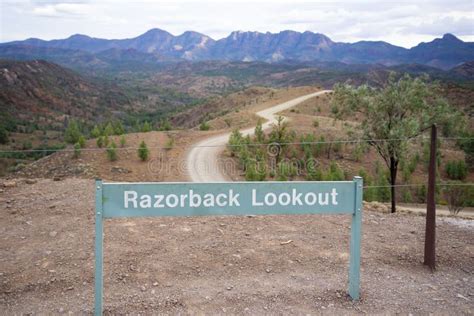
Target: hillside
(45,94)
(443,53)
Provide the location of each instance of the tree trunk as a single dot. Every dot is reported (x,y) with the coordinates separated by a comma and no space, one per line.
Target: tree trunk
(393,180)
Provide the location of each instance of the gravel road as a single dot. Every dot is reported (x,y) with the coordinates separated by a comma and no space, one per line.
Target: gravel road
(202,159)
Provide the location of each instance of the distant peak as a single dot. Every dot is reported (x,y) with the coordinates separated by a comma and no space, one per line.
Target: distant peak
(450,37)
(78,36)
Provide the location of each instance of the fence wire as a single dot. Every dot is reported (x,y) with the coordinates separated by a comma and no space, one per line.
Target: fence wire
(346,141)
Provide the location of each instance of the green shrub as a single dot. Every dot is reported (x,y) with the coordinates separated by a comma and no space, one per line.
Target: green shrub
(146,127)
(3,135)
(315,123)
(95,133)
(72,133)
(456,169)
(169,144)
(165,125)
(118,128)
(109,130)
(77,150)
(112,152)
(123,141)
(143,151)
(82,141)
(458,196)
(100,141)
(204,126)
(286,170)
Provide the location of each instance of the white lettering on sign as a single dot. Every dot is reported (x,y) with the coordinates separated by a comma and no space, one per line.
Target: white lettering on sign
(194,200)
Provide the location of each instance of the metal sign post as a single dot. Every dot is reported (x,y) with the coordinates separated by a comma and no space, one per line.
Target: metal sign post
(229,198)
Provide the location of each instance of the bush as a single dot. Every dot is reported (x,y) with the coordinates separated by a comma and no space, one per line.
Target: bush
(122,141)
(457,196)
(112,152)
(146,127)
(109,130)
(82,141)
(72,133)
(204,126)
(3,135)
(100,141)
(286,170)
(456,170)
(169,144)
(165,125)
(315,123)
(77,150)
(95,133)
(143,151)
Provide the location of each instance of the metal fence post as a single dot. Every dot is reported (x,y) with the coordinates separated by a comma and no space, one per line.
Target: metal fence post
(354,260)
(99,231)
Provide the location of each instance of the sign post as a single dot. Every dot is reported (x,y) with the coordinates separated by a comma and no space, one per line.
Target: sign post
(229,198)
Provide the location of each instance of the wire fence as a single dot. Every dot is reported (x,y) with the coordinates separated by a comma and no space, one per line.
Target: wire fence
(343,141)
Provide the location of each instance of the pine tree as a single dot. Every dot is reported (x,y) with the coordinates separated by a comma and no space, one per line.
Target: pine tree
(143,151)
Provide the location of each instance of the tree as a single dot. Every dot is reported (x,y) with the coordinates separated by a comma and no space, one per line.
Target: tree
(279,138)
(112,152)
(165,125)
(122,141)
(100,141)
(72,133)
(204,126)
(457,196)
(96,132)
(143,151)
(259,135)
(118,128)
(109,130)
(81,141)
(146,127)
(3,135)
(401,110)
(77,150)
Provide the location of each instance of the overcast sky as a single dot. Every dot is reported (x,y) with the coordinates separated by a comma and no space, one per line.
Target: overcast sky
(403,23)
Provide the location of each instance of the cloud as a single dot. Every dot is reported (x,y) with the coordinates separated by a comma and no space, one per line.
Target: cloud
(62,9)
(402,23)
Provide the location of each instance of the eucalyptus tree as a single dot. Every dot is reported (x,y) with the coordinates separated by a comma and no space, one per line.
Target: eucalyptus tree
(390,116)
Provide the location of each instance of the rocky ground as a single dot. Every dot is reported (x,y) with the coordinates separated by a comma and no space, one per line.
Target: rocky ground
(244,265)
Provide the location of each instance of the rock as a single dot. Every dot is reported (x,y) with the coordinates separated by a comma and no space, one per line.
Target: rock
(268,270)
(9,184)
(30,181)
(229,288)
(143,288)
(117,169)
(463,297)
(53,233)
(155,283)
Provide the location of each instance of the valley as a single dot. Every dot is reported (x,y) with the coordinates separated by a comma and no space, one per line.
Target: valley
(287,107)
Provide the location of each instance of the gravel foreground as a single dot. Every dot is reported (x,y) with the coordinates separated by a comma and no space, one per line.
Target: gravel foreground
(215,265)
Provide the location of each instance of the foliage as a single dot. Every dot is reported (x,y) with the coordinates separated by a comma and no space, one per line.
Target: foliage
(82,141)
(458,196)
(165,125)
(3,135)
(169,143)
(72,133)
(96,132)
(77,150)
(100,141)
(399,111)
(204,126)
(112,152)
(456,169)
(146,127)
(118,128)
(286,170)
(259,135)
(109,130)
(143,151)
(123,141)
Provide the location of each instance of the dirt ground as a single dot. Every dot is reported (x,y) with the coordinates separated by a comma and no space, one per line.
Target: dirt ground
(216,265)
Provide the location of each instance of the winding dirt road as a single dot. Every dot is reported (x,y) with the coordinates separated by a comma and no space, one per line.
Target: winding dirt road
(202,160)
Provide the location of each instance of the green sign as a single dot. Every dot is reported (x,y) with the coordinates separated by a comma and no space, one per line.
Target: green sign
(228,198)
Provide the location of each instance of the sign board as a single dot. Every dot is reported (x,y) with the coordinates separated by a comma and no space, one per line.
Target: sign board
(228,198)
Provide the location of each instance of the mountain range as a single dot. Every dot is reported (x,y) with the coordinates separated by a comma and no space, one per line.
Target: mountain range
(157,45)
